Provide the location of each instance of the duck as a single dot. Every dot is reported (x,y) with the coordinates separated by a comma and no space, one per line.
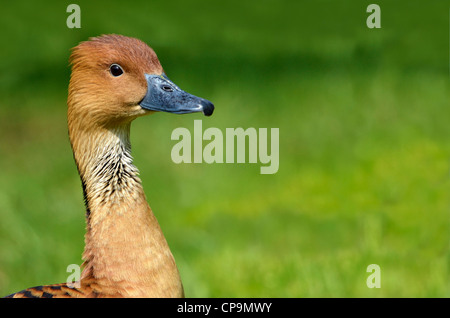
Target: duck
(114,80)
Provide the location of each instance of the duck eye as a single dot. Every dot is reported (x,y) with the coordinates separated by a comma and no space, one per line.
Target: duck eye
(115,70)
(167,88)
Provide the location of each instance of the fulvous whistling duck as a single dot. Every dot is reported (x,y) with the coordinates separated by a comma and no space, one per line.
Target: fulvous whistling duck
(114,80)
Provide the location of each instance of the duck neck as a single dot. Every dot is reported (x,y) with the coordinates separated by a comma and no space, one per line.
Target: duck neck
(126,253)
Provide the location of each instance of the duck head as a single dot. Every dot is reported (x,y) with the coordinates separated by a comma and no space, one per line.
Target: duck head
(116,79)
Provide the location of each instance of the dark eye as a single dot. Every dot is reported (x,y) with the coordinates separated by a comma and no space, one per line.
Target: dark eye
(167,88)
(115,70)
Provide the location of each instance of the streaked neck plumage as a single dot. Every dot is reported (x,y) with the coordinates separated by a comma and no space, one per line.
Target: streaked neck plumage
(126,253)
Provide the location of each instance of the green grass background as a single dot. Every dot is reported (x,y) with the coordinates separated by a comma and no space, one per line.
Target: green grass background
(364,144)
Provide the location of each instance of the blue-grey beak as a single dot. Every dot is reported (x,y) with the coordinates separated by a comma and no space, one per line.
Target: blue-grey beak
(163,95)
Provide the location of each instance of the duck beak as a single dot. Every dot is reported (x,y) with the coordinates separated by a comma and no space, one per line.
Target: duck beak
(163,95)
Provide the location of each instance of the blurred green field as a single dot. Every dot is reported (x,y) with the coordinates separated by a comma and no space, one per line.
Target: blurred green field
(364,145)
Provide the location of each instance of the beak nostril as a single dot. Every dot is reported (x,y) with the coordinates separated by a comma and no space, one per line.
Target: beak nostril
(167,88)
